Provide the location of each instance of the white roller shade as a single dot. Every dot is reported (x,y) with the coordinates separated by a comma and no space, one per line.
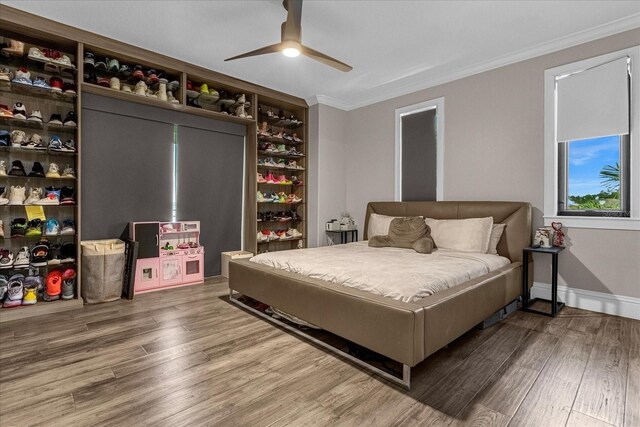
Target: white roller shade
(594,102)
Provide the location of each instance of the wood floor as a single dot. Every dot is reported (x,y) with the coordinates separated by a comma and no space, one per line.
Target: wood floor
(187,357)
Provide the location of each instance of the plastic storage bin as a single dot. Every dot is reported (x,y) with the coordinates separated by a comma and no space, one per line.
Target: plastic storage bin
(102,270)
(228,256)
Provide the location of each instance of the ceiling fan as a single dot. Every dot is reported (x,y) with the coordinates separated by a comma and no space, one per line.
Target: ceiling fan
(291,44)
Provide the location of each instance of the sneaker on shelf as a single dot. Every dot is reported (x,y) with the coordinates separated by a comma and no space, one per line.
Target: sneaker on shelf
(68,283)
(34,228)
(53,227)
(282,179)
(281,163)
(113,65)
(41,83)
(296,181)
(3,196)
(55,143)
(68,227)
(53,286)
(296,139)
(37,170)
(3,286)
(15,291)
(281,148)
(101,65)
(271,179)
(5,112)
(36,142)
(126,88)
(69,88)
(15,48)
(39,255)
(68,172)
(68,253)
(292,198)
(89,60)
(114,83)
(103,81)
(17,169)
(3,170)
(16,195)
(67,196)
(69,146)
(141,88)
(5,138)
(5,74)
(22,258)
(125,70)
(64,61)
(18,227)
(137,73)
(55,119)
(261,237)
(35,194)
(17,138)
(56,84)
(54,254)
(20,78)
(30,289)
(6,258)
(54,171)
(282,197)
(260,197)
(52,197)
(261,179)
(70,119)
(19,111)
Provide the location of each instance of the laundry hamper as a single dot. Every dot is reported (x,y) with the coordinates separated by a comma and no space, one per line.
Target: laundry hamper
(103,264)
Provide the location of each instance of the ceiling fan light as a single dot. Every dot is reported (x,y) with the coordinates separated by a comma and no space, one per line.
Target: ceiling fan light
(291,52)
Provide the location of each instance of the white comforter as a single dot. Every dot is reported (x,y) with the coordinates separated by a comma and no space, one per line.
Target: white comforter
(401,274)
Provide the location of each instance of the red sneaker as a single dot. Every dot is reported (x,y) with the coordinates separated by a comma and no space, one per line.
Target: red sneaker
(56,84)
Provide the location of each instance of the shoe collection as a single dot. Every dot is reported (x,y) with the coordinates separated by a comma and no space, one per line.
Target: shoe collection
(50,196)
(280,118)
(19,112)
(282,216)
(19,139)
(271,235)
(22,76)
(112,74)
(20,290)
(40,255)
(20,227)
(201,96)
(281,163)
(280,180)
(280,197)
(265,134)
(278,149)
(37,170)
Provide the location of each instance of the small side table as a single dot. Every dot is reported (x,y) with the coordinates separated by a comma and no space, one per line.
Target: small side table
(344,233)
(555,305)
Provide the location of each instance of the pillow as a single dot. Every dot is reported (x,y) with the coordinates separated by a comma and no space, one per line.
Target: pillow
(409,233)
(465,235)
(496,234)
(379,225)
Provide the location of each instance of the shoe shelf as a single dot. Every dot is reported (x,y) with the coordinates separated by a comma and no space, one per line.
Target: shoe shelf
(32,124)
(279,117)
(291,239)
(280,185)
(276,168)
(38,92)
(282,155)
(277,140)
(47,101)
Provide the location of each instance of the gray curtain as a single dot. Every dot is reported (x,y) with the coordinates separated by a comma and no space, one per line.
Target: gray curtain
(419,156)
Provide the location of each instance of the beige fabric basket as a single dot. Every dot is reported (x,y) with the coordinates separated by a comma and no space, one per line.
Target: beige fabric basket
(102,270)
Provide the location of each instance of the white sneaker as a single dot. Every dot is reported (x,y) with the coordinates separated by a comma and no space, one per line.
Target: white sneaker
(22,259)
(36,116)
(292,232)
(17,138)
(16,195)
(3,199)
(3,168)
(114,83)
(52,197)
(141,88)
(35,194)
(53,172)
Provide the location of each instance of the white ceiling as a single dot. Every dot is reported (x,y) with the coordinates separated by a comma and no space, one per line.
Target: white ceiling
(395,47)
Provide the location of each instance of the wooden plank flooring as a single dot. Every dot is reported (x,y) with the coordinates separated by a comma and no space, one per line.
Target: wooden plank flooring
(187,357)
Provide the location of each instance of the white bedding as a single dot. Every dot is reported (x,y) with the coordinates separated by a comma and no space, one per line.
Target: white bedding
(401,274)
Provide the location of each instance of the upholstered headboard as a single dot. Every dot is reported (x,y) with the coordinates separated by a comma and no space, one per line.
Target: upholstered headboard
(517,215)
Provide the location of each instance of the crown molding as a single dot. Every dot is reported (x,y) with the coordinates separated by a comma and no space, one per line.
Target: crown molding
(422,80)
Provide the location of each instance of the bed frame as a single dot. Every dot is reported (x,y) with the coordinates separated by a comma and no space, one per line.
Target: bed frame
(405,332)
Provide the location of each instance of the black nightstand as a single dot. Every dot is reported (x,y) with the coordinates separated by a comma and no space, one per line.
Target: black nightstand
(555,305)
(344,233)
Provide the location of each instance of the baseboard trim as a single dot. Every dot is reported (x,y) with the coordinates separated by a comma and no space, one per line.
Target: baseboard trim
(617,305)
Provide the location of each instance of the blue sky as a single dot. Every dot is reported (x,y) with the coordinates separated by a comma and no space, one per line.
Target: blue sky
(586,158)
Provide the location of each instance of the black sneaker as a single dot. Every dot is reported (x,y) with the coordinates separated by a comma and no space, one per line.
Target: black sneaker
(70,119)
(39,255)
(37,170)
(54,254)
(17,169)
(18,227)
(68,252)
(19,111)
(55,119)
(67,196)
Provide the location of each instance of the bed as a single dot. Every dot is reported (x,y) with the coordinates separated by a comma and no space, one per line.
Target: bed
(405,327)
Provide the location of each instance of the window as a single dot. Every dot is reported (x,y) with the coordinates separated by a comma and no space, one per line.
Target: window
(592,166)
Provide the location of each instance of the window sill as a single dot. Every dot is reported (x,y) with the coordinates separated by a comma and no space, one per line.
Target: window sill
(595,222)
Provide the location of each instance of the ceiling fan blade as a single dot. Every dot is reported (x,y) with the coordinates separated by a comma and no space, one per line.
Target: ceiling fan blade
(325,59)
(262,51)
(291,29)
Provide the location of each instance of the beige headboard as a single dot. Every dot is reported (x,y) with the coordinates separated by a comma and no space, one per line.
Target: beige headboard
(517,215)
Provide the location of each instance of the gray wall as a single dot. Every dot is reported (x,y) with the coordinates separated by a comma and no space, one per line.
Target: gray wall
(493,149)
(127,172)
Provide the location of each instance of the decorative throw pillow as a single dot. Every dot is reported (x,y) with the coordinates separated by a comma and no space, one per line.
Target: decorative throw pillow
(379,224)
(496,234)
(465,235)
(409,233)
